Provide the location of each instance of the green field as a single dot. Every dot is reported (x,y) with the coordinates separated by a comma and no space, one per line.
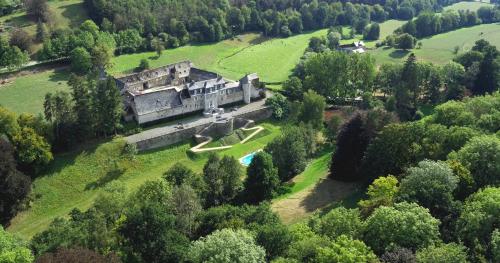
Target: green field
(472,6)
(26,93)
(315,171)
(65,14)
(439,48)
(75,179)
(272,59)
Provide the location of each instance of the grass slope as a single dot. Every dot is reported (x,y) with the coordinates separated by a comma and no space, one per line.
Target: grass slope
(439,48)
(272,59)
(315,171)
(472,6)
(74,180)
(27,93)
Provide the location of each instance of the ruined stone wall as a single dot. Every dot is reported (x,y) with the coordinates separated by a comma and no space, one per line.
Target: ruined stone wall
(170,138)
(180,135)
(257,114)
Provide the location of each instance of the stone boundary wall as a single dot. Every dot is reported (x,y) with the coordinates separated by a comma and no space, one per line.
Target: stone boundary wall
(169,138)
(180,135)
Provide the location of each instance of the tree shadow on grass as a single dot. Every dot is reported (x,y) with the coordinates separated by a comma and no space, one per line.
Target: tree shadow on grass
(66,159)
(59,76)
(111,175)
(398,53)
(75,13)
(331,193)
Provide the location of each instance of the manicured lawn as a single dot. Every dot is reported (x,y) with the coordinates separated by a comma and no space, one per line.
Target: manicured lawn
(75,179)
(27,93)
(272,59)
(472,6)
(439,48)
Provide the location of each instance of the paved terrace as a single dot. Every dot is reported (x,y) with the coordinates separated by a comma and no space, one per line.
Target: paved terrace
(191,123)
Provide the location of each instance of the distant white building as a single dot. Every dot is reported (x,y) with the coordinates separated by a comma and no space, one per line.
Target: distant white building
(178,89)
(356,47)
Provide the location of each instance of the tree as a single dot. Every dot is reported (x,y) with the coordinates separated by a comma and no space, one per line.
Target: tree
(144,65)
(179,174)
(292,87)
(13,250)
(33,151)
(11,56)
(405,225)
(150,233)
(77,255)
(14,186)
(398,255)
(227,246)
(354,74)
(479,218)
(82,107)
(495,245)
(381,192)
(312,110)
(222,177)
(41,31)
(345,249)
(158,46)
(431,185)
(333,40)
(58,112)
(340,221)
(353,140)
(289,153)
(274,238)
(405,41)
(37,9)
(81,61)
(446,253)
(262,179)
(21,39)
(454,81)
(351,144)
(108,107)
(279,106)
(488,77)
(480,156)
(372,32)
(308,247)
(101,57)
(186,206)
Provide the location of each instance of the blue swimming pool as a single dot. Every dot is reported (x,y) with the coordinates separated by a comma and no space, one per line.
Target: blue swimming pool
(247,159)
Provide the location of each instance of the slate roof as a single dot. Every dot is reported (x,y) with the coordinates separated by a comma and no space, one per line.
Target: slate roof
(157,101)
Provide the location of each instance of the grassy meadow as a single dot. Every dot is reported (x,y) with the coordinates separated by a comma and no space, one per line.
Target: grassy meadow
(272,59)
(439,48)
(27,93)
(472,6)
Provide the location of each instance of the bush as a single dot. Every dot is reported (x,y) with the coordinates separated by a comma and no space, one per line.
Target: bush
(404,225)
(447,253)
(227,246)
(144,65)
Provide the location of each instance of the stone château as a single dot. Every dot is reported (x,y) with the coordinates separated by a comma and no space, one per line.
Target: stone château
(179,89)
